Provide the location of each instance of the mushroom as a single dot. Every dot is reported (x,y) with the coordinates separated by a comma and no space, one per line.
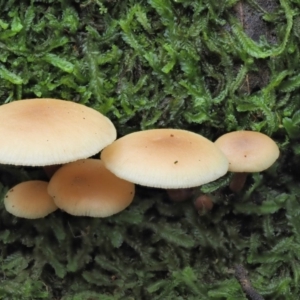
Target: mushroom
(86,188)
(41,132)
(165,158)
(203,204)
(247,152)
(29,200)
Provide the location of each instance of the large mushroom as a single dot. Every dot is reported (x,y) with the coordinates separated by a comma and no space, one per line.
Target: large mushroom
(41,132)
(247,152)
(165,158)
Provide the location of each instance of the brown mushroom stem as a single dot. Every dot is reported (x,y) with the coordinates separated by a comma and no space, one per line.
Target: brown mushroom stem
(50,170)
(178,195)
(238,181)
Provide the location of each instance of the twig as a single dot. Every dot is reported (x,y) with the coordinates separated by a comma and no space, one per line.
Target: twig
(242,276)
(241,13)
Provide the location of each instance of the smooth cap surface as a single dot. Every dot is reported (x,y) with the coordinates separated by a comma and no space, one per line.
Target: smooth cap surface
(87,188)
(165,158)
(29,200)
(248,151)
(39,132)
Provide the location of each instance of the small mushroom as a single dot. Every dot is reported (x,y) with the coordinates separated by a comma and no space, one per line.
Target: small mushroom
(203,204)
(247,152)
(29,200)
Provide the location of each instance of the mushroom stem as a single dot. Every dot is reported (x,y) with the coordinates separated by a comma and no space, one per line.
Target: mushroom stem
(50,170)
(238,181)
(178,195)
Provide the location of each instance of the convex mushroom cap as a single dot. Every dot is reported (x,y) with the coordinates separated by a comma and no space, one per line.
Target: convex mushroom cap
(248,151)
(40,132)
(29,200)
(86,188)
(165,158)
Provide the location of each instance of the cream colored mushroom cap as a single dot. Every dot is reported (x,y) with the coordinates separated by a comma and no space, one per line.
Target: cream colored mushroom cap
(29,200)
(86,188)
(248,151)
(40,132)
(165,158)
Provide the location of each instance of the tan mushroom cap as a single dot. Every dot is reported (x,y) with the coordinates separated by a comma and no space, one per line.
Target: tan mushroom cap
(248,151)
(87,188)
(29,200)
(40,132)
(165,158)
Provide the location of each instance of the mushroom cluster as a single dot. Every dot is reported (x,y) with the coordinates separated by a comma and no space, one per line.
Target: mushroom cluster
(48,132)
(52,132)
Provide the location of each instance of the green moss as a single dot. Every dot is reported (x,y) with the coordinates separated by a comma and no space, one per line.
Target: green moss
(205,66)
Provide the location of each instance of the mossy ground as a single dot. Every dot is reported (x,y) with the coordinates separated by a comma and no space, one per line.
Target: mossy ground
(206,66)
